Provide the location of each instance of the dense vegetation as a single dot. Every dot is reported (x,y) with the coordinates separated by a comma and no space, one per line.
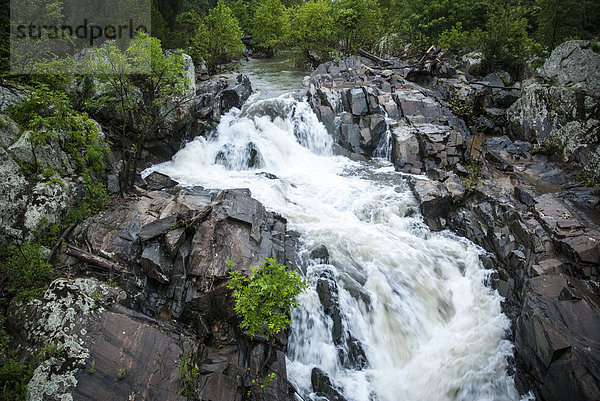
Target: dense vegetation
(506,32)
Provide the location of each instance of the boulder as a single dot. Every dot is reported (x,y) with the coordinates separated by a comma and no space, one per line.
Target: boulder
(157,181)
(322,386)
(573,63)
(236,93)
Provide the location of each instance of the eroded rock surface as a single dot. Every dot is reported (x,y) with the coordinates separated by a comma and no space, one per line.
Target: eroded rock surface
(171,308)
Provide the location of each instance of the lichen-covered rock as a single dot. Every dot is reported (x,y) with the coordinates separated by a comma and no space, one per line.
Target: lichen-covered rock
(46,156)
(48,201)
(563,111)
(9,131)
(13,190)
(59,325)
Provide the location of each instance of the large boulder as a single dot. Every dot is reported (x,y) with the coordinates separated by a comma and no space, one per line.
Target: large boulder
(562,111)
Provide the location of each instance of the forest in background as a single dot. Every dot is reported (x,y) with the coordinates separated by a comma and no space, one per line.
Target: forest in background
(506,32)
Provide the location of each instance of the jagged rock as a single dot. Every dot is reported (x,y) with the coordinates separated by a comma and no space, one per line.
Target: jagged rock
(322,386)
(157,181)
(557,335)
(239,228)
(329,297)
(573,62)
(405,150)
(155,263)
(562,113)
(157,227)
(236,93)
(434,200)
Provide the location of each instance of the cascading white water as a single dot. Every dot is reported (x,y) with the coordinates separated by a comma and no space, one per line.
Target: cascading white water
(415,301)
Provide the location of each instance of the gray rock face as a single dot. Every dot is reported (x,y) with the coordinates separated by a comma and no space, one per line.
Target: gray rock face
(562,113)
(573,63)
(423,132)
(13,190)
(558,333)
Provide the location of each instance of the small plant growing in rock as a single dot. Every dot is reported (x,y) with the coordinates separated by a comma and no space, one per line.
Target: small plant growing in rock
(188,374)
(122,374)
(265,298)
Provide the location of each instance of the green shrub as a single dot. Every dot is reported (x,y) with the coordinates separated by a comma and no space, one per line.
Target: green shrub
(26,269)
(454,38)
(14,377)
(265,298)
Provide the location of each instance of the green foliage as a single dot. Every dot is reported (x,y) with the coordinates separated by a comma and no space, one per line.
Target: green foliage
(474,174)
(271,25)
(357,23)
(143,86)
(26,269)
(454,38)
(14,377)
(460,106)
(265,298)
(219,38)
(188,374)
(312,28)
(505,44)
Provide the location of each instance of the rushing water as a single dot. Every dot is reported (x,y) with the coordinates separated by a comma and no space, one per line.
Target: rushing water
(415,300)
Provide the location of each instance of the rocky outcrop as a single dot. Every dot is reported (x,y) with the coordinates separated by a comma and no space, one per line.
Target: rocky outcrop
(171,250)
(372,112)
(561,108)
(476,140)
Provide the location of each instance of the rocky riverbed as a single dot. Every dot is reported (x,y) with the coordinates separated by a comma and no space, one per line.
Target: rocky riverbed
(504,163)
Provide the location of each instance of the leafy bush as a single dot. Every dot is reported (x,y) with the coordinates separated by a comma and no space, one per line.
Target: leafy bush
(312,27)
(271,26)
(505,44)
(265,298)
(454,38)
(26,269)
(14,377)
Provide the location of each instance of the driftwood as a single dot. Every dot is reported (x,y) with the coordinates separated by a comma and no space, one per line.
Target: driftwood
(495,86)
(374,58)
(104,265)
(59,242)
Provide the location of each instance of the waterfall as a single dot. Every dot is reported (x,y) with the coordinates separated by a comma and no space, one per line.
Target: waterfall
(395,311)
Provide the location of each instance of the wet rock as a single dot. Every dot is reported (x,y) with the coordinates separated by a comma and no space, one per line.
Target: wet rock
(323,387)
(157,181)
(155,262)
(236,93)
(434,200)
(328,295)
(320,255)
(157,228)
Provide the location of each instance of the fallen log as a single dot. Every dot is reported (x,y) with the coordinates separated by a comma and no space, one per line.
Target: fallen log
(374,58)
(104,264)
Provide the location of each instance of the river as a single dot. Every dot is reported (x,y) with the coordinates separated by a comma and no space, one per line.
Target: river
(416,301)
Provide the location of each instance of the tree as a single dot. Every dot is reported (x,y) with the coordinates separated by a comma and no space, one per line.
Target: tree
(265,299)
(357,23)
(312,28)
(557,20)
(505,43)
(271,26)
(219,38)
(144,86)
